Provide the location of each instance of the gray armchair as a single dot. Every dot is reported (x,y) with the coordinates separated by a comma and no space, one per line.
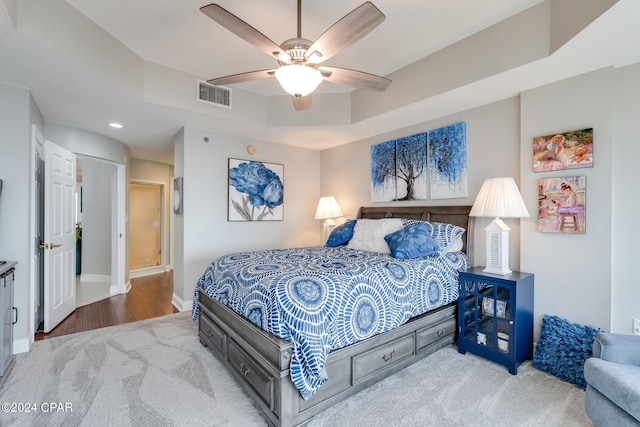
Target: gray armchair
(613,380)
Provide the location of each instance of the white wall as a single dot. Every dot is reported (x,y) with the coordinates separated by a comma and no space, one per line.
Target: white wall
(203,233)
(492,150)
(96,219)
(17,113)
(573,271)
(87,143)
(181,297)
(583,278)
(625,294)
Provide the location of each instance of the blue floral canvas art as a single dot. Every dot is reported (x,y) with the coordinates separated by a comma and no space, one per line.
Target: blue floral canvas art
(256,192)
(448,161)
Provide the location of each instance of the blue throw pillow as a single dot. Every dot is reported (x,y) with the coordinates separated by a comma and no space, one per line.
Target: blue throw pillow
(341,234)
(411,242)
(445,235)
(563,348)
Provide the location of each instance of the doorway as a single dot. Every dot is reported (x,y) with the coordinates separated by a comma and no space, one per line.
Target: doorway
(145,225)
(93,212)
(116,242)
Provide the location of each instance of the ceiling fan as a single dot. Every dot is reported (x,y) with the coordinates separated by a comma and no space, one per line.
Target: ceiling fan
(299,59)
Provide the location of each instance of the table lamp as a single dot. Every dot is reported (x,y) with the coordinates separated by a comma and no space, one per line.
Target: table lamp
(328,209)
(498,197)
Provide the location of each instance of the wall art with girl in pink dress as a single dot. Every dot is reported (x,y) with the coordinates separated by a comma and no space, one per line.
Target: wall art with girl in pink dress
(561,204)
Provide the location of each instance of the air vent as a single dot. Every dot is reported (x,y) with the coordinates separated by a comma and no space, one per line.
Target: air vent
(214,94)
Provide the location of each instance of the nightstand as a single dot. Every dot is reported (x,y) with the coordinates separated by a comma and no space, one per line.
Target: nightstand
(495,316)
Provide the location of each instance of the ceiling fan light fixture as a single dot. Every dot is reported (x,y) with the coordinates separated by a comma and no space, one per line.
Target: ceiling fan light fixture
(298,79)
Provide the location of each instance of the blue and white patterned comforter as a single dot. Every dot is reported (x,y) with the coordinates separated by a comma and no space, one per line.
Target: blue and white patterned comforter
(322,299)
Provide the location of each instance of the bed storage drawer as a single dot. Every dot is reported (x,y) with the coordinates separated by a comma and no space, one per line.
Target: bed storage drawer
(435,333)
(261,382)
(211,333)
(382,357)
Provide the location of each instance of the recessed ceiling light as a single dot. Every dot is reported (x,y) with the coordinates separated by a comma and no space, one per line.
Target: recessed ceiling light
(116,125)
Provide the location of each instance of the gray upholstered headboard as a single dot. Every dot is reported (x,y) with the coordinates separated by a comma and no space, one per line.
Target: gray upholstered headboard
(457,215)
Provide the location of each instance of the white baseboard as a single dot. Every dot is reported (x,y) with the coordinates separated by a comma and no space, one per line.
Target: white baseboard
(180,304)
(140,272)
(21,345)
(98,278)
(115,290)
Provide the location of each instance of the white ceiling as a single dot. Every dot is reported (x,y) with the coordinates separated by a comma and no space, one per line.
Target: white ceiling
(175,34)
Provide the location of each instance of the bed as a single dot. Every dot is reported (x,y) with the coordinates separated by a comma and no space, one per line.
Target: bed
(319,364)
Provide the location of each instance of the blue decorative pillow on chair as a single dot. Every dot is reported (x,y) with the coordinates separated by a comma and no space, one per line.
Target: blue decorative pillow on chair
(341,234)
(413,241)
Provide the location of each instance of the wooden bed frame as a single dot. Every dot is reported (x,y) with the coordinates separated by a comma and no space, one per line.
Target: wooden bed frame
(260,360)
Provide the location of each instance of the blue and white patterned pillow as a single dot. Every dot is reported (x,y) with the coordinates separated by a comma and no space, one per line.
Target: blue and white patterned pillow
(446,236)
(411,242)
(341,234)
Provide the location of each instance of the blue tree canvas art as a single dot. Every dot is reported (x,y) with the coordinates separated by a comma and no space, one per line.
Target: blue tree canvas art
(411,167)
(448,161)
(383,171)
(256,192)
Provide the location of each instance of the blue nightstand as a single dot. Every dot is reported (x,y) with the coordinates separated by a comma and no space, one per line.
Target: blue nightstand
(495,316)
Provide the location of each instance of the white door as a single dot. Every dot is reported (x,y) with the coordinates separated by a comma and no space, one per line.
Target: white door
(60,235)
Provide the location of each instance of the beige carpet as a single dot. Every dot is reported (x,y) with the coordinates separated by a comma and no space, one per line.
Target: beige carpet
(156,373)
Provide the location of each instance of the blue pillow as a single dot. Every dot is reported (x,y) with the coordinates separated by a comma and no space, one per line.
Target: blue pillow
(414,241)
(341,234)
(445,235)
(562,349)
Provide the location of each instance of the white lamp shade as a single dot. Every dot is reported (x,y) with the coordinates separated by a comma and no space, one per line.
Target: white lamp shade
(328,208)
(298,79)
(499,197)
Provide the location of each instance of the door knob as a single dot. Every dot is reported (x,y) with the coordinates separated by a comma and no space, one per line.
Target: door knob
(49,245)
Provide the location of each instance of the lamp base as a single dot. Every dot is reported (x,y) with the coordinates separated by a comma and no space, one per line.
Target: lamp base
(497,235)
(327,227)
(499,271)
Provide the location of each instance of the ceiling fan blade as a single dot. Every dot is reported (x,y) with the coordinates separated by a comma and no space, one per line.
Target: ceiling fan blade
(357,79)
(301,102)
(243,30)
(242,77)
(348,30)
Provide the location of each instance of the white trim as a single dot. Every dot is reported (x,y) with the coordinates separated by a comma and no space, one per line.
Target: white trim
(164,239)
(98,278)
(180,304)
(141,272)
(37,146)
(115,290)
(119,239)
(22,345)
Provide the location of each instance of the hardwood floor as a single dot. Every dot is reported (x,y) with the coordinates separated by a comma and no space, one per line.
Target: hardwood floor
(150,296)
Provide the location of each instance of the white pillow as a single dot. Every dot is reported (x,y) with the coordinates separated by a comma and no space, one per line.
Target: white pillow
(368,234)
(455,246)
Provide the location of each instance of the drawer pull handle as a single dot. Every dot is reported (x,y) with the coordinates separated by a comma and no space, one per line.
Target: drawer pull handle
(209,332)
(385,358)
(245,371)
(442,331)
